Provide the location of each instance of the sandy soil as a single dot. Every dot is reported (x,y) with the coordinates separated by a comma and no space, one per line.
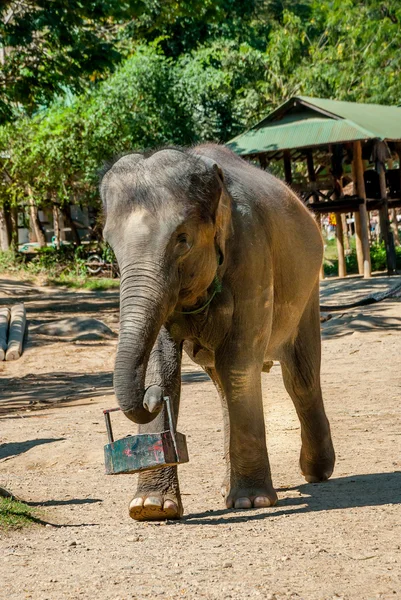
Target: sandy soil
(341,539)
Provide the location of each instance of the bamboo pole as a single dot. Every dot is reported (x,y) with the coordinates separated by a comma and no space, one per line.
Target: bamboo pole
(17,332)
(4,325)
(361,218)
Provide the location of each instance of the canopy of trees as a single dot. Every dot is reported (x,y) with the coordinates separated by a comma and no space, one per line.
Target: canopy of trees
(85,81)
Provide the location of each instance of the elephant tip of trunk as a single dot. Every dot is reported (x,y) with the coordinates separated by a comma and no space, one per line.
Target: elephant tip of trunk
(140,416)
(149,409)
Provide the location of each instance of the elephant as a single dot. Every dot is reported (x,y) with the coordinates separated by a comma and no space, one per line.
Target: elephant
(220,259)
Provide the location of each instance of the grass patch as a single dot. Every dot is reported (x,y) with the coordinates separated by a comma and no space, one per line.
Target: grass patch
(86,283)
(63,267)
(15,514)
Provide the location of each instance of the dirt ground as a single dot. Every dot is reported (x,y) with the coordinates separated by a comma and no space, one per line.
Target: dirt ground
(340,539)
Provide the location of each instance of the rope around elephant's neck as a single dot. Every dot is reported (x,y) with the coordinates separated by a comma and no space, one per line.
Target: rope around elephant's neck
(217,287)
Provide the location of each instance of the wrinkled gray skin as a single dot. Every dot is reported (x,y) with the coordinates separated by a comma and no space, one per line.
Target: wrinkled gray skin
(171,218)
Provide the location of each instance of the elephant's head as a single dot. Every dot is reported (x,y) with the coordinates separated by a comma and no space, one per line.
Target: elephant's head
(167,218)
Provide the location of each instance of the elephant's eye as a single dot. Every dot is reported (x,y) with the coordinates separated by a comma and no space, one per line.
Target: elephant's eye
(183,244)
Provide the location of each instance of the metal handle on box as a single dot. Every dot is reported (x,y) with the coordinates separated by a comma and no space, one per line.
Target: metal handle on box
(108,423)
(171,423)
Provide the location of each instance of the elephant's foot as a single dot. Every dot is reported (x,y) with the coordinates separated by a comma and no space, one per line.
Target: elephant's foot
(155,507)
(246,496)
(318,467)
(157,497)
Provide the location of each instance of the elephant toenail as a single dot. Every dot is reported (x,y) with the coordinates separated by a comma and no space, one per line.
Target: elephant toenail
(243,503)
(262,502)
(169,505)
(136,502)
(153,501)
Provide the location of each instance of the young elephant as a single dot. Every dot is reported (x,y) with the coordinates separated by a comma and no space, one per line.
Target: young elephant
(221,259)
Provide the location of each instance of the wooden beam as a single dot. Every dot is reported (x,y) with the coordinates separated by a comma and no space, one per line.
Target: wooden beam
(361,217)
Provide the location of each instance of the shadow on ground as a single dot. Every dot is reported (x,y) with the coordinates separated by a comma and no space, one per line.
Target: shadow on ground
(15,448)
(362,321)
(74,501)
(194,377)
(46,389)
(374,489)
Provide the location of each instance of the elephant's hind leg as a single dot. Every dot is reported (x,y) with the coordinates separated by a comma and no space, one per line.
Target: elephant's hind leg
(301,373)
(225,486)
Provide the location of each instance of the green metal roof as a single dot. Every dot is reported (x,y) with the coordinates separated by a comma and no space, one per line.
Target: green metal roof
(304,122)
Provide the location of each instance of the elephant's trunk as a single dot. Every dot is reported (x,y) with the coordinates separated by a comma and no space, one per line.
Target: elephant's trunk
(142,312)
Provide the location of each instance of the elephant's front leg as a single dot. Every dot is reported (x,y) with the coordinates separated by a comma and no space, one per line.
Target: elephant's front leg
(158,494)
(250,482)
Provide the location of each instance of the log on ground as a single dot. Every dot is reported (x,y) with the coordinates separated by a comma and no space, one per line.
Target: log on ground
(4,324)
(17,332)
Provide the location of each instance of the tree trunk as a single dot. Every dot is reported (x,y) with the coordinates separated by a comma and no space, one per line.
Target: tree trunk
(56,226)
(4,230)
(14,228)
(35,223)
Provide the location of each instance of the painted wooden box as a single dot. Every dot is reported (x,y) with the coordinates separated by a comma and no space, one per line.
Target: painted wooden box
(145,451)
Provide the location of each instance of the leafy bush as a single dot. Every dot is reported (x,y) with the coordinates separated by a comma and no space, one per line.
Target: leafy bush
(377,258)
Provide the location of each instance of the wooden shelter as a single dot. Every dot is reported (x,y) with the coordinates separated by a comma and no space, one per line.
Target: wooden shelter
(326,145)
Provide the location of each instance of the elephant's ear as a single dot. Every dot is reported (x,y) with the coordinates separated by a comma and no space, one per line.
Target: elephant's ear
(222,216)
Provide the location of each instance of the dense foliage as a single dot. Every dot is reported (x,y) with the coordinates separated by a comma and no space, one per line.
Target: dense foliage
(191,71)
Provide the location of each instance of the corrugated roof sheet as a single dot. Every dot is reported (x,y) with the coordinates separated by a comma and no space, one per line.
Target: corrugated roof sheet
(383,122)
(305,133)
(304,122)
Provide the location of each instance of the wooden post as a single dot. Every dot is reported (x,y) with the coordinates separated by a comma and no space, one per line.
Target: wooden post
(346,231)
(342,268)
(17,332)
(263,161)
(337,172)
(394,227)
(311,172)
(358,242)
(287,166)
(4,231)
(385,234)
(4,323)
(363,233)
(318,217)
